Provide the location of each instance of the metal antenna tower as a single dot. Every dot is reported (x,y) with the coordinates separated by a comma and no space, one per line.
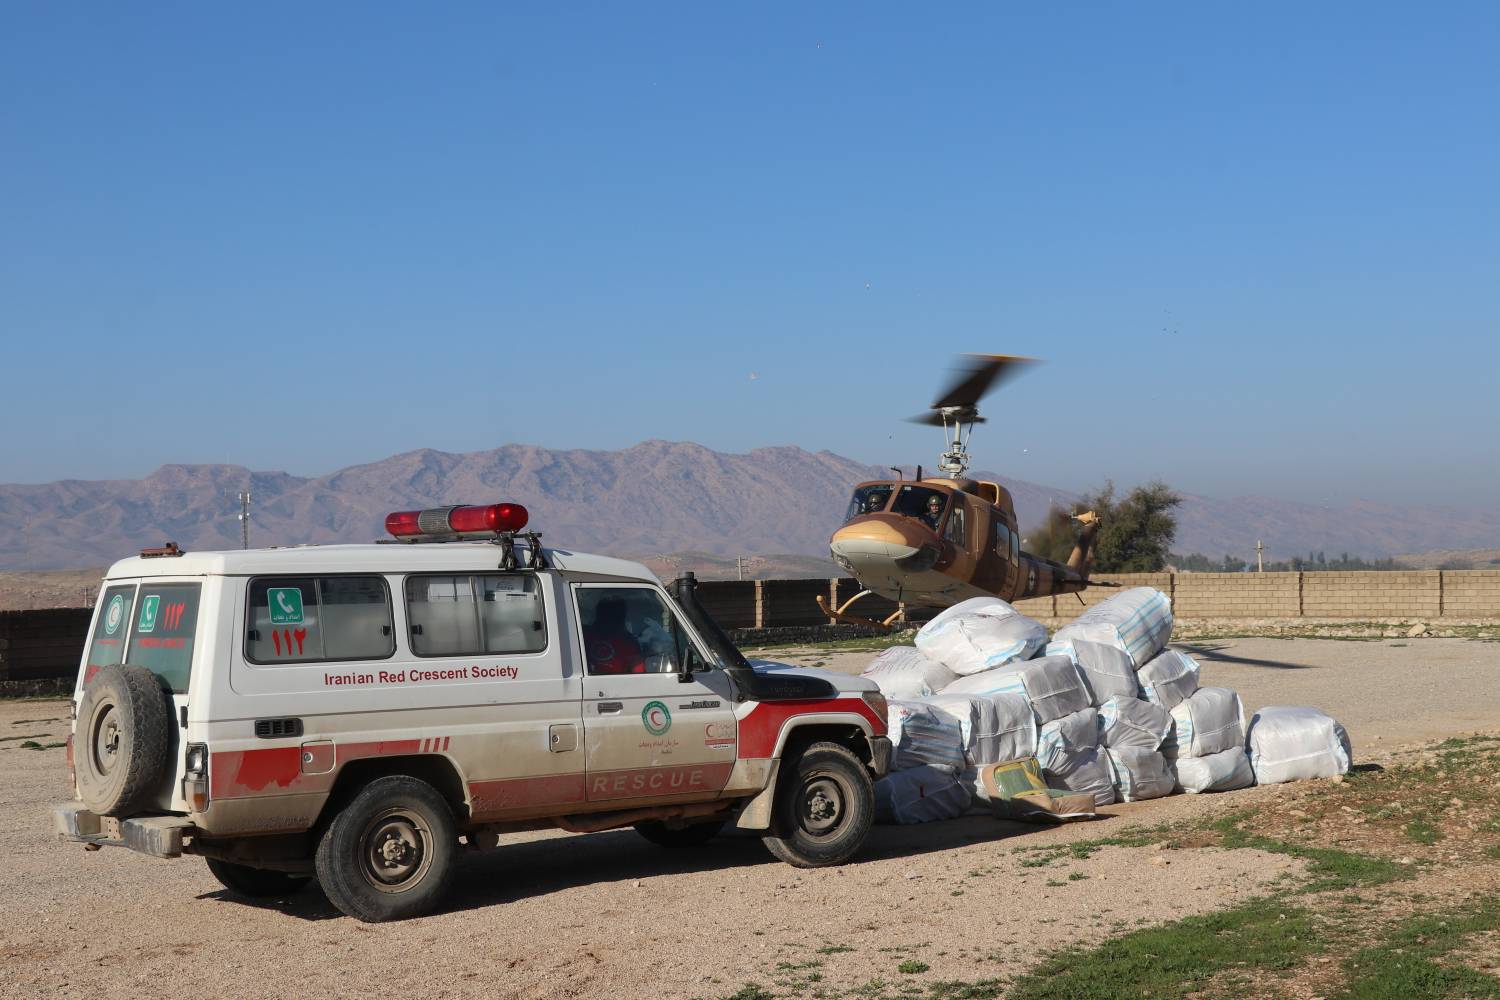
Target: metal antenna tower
(245,519)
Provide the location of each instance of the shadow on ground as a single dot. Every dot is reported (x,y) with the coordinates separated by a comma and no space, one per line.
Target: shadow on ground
(556,864)
(1214,652)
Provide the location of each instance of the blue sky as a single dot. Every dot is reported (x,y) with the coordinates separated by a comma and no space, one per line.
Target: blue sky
(1257,244)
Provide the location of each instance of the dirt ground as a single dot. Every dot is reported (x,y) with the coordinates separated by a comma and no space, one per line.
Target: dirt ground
(608,915)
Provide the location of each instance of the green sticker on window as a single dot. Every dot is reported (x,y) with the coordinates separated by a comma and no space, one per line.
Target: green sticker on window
(286,605)
(149,607)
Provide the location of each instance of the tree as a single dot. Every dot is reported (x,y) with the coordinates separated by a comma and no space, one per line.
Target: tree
(1134,536)
(1137,531)
(1055,538)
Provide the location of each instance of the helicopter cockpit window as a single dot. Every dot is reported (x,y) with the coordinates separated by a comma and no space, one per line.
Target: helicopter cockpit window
(868,500)
(921,502)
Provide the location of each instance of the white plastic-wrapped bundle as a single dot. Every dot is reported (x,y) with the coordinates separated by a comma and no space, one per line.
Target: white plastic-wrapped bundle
(1107,671)
(1168,678)
(1132,722)
(903,673)
(1218,772)
(1211,720)
(922,733)
(1290,743)
(996,728)
(1061,737)
(1051,683)
(1138,620)
(1082,770)
(1139,774)
(920,795)
(980,634)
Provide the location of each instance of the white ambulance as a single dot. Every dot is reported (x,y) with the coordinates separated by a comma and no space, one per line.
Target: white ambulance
(357,713)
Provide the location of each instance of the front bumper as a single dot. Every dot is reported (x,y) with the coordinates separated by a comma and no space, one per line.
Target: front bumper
(158,836)
(880,756)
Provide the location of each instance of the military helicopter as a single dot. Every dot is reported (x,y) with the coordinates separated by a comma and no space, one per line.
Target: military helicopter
(938,541)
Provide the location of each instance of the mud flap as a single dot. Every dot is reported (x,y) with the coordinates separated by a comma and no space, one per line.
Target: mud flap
(756,814)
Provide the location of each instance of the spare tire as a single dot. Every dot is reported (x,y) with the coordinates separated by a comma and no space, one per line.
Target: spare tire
(122,744)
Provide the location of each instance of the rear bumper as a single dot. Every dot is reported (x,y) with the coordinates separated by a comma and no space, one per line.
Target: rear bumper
(158,836)
(880,756)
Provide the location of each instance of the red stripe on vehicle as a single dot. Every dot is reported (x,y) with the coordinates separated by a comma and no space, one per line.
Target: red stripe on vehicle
(639,782)
(760,729)
(492,798)
(267,771)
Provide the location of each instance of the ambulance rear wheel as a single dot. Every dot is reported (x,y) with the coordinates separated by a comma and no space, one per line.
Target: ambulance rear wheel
(255,883)
(391,852)
(688,835)
(825,805)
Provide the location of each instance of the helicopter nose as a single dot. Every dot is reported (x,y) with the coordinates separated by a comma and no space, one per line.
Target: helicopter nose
(873,547)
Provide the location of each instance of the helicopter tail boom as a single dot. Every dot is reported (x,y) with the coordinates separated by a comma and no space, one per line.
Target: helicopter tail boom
(1083,549)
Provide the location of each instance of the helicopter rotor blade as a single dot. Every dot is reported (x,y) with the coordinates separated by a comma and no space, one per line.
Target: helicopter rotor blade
(934,418)
(980,375)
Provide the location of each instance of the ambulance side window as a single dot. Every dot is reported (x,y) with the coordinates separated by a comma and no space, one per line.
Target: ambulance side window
(319,619)
(468,615)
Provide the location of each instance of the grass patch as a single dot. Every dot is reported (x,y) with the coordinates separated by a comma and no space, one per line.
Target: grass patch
(750,991)
(834,949)
(1329,867)
(1422,832)
(982,989)
(1176,959)
(34,745)
(1407,964)
(912,967)
(1080,850)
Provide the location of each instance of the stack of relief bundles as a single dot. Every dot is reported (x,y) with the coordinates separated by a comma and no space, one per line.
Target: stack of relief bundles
(920,795)
(1107,671)
(1137,621)
(980,634)
(924,734)
(996,728)
(1071,758)
(1108,643)
(1131,732)
(1292,744)
(903,673)
(1207,742)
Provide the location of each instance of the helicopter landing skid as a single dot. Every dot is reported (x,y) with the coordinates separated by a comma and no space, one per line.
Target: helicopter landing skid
(841,612)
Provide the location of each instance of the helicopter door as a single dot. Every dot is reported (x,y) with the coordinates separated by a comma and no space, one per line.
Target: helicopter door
(956,530)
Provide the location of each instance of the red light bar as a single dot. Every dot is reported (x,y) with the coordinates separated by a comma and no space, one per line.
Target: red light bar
(496,517)
(403,523)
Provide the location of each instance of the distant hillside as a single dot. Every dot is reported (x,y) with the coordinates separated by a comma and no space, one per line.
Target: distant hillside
(656,497)
(1452,559)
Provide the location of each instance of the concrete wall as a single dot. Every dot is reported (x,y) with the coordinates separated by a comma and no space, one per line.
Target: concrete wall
(36,645)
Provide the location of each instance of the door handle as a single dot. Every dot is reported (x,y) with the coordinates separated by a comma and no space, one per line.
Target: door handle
(610,708)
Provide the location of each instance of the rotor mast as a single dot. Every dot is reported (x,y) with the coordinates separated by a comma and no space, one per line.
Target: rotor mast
(956,410)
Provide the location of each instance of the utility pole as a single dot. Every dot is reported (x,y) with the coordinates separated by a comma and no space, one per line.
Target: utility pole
(245,520)
(739,566)
(1260,562)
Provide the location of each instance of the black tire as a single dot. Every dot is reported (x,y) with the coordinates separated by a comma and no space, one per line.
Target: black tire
(391,852)
(684,836)
(122,745)
(825,805)
(255,883)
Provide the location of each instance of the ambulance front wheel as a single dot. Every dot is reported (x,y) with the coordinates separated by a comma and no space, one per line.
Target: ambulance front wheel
(824,807)
(391,852)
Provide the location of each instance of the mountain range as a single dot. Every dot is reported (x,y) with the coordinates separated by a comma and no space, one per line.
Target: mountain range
(648,500)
